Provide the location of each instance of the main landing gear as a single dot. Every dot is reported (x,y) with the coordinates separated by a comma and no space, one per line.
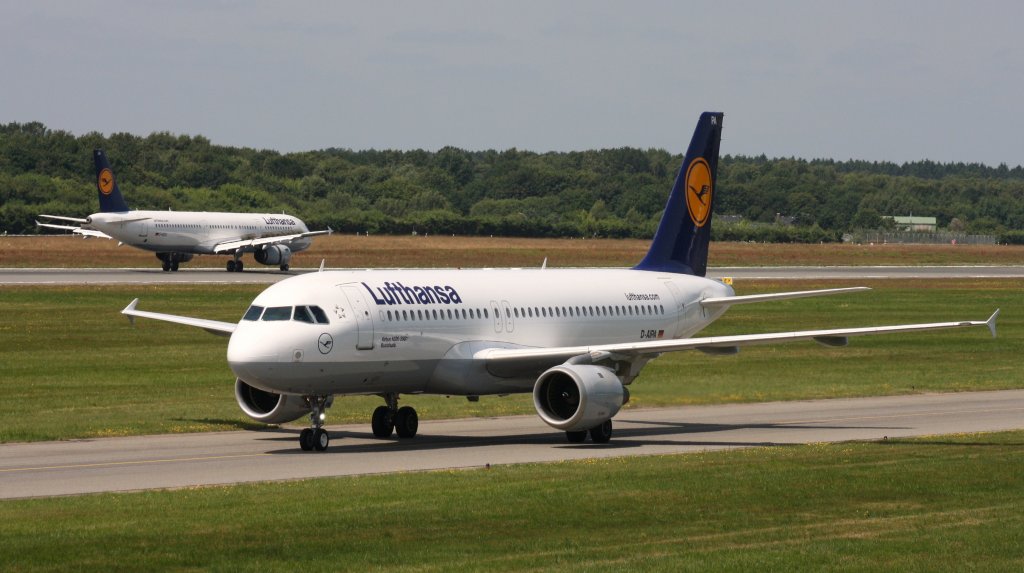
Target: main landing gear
(316,438)
(404,421)
(600,434)
(170,266)
(235,265)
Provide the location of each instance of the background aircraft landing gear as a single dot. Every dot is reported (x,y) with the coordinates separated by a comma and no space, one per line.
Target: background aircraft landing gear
(387,419)
(174,266)
(315,438)
(235,265)
(284,267)
(166,266)
(600,434)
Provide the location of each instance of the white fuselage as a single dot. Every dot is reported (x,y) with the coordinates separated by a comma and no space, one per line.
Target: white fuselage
(417,330)
(194,232)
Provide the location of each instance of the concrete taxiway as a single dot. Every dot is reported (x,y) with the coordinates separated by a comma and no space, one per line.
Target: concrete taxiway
(182,460)
(268,276)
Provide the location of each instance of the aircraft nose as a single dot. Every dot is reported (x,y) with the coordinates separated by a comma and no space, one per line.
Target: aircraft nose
(253,353)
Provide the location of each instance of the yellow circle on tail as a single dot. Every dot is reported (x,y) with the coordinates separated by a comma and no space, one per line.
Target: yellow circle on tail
(698,191)
(105,181)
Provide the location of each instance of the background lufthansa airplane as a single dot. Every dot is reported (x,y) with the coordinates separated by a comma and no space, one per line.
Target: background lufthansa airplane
(176,236)
(575,338)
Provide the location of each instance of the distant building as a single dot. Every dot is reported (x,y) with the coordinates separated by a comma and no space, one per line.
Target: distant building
(924,224)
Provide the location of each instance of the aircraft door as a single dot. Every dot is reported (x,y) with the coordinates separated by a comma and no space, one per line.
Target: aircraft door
(507,309)
(676,305)
(361,309)
(496,311)
(143,229)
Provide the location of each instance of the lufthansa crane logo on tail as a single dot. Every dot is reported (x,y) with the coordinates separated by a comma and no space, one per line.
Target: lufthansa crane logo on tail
(698,191)
(105,181)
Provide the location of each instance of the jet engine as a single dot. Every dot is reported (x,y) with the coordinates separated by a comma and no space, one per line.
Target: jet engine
(268,407)
(574,397)
(273,255)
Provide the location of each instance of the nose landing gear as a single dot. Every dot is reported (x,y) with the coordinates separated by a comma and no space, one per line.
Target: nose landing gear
(316,438)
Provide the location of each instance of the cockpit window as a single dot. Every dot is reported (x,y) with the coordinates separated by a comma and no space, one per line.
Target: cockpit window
(321,316)
(253,313)
(278,313)
(302,315)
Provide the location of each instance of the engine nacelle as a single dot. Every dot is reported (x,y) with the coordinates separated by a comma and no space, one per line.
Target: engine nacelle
(268,407)
(273,255)
(575,397)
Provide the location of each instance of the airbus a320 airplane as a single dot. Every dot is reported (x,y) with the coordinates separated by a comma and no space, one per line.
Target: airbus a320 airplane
(176,236)
(576,338)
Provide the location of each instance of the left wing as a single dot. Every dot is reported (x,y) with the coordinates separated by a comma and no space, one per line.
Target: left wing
(212,326)
(243,243)
(534,357)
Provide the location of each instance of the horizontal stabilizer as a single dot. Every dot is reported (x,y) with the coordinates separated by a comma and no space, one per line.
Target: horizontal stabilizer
(726,301)
(61,218)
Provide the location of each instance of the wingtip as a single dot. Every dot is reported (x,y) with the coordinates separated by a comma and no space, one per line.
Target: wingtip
(991,323)
(128,311)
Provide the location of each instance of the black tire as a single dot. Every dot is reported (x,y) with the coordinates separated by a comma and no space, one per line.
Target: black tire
(167,266)
(306,440)
(239,266)
(231,266)
(602,433)
(284,267)
(406,422)
(174,266)
(381,422)
(320,439)
(576,437)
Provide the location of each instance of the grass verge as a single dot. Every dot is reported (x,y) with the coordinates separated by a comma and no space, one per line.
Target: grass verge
(944,503)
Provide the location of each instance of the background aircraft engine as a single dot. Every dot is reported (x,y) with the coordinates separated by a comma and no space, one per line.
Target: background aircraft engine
(575,397)
(273,255)
(268,407)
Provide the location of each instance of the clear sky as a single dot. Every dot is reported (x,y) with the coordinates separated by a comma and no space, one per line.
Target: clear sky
(893,80)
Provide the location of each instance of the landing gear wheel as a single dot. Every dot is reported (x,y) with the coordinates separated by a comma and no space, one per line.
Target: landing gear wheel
(284,267)
(320,439)
(239,266)
(167,266)
(601,434)
(406,422)
(231,266)
(174,266)
(382,423)
(306,440)
(576,437)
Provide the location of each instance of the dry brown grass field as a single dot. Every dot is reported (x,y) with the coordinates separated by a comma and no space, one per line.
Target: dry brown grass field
(352,251)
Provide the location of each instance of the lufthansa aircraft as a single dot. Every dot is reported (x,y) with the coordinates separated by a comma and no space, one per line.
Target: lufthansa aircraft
(176,236)
(576,338)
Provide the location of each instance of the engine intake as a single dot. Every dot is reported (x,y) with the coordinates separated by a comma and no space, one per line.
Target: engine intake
(268,407)
(273,255)
(575,397)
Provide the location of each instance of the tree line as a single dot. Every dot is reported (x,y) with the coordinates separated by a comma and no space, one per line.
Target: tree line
(609,192)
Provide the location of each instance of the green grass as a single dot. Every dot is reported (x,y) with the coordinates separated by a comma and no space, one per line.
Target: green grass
(72,366)
(933,504)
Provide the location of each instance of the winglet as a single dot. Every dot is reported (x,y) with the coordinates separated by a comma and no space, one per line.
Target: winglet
(991,323)
(128,311)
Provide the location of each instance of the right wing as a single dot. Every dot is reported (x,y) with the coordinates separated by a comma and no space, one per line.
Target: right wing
(249,243)
(212,326)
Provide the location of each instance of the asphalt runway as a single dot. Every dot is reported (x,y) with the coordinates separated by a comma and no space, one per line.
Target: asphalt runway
(267,276)
(183,460)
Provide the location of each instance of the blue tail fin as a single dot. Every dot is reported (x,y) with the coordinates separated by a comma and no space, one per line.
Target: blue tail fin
(681,242)
(111,200)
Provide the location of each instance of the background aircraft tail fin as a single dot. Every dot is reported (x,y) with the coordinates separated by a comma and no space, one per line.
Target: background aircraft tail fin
(111,200)
(680,244)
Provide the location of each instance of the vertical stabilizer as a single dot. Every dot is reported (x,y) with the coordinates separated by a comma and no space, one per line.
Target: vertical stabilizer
(681,242)
(111,200)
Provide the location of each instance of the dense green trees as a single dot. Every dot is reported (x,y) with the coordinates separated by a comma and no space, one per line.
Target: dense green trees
(610,192)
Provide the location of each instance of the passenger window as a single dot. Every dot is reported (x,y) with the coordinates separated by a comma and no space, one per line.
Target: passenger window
(277,313)
(302,315)
(319,314)
(253,313)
